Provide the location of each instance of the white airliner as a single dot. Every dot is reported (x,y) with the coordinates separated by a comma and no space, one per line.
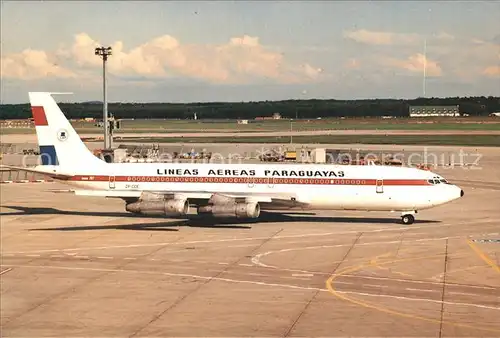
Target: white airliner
(229,190)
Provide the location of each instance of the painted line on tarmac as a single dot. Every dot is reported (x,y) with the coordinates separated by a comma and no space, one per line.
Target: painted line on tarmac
(225,240)
(461,293)
(439,276)
(257,261)
(5,271)
(252,282)
(330,282)
(396,229)
(421,299)
(374,262)
(483,256)
(299,273)
(302,275)
(257,258)
(376,286)
(421,290)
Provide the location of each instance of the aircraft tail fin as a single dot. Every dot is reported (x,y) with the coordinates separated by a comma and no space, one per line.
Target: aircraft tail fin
(59,143)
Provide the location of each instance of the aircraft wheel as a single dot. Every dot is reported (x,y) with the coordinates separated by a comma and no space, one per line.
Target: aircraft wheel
(407,219)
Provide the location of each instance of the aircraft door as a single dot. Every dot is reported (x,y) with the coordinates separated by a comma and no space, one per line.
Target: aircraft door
(380,186)
(112,182)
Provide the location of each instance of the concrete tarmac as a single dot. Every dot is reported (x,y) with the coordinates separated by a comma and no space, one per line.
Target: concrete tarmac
(82,266)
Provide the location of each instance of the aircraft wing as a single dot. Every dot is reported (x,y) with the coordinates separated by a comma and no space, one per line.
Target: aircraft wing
(200,197)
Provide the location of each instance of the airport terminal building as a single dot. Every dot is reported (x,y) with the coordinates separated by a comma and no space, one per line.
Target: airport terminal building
(430,111)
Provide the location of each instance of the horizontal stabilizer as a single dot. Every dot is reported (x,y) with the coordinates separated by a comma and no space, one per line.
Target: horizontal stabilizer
(38,170)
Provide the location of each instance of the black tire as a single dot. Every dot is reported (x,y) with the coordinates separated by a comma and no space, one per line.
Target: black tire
(407,219)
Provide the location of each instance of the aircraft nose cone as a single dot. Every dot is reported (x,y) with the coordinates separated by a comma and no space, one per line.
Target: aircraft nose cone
(461,193)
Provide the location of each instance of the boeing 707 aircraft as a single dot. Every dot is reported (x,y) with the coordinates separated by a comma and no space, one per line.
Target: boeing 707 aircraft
(229,190)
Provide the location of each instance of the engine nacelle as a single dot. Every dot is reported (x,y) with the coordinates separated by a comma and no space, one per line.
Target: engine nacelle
(171,207)
(221,199)
(238,210)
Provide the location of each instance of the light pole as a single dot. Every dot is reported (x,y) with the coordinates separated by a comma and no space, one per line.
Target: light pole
(104,52)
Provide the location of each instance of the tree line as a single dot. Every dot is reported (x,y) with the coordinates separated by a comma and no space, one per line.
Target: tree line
(474,106)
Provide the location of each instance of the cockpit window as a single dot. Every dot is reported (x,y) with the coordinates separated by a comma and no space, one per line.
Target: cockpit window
(437,180)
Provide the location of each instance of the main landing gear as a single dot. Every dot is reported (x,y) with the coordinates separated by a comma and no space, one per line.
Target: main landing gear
(408,217)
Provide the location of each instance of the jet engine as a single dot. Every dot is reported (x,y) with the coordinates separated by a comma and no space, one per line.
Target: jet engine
(238,210)
(169,207)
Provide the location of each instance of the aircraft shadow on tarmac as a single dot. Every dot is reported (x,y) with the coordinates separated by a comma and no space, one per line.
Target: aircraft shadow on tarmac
(192,220)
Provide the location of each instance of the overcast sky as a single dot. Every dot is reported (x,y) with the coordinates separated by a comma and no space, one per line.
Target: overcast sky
(246,51)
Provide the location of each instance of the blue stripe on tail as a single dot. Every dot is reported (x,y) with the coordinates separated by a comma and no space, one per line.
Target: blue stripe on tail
(49,155)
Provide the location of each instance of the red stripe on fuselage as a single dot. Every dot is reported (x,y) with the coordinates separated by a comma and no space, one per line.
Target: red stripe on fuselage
(247,180)
(39,116)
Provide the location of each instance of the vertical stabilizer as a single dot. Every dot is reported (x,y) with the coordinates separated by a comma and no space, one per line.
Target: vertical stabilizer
(59,143)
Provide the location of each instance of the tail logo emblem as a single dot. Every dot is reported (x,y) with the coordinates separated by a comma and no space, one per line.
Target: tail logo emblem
(62,135)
